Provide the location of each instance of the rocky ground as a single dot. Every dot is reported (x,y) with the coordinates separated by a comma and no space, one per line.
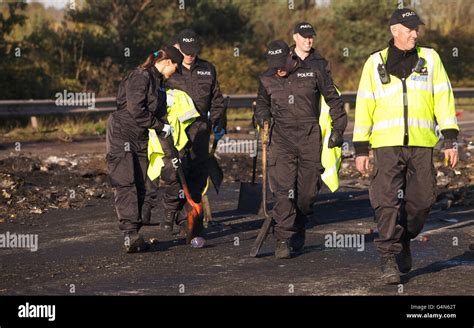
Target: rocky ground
(32,183)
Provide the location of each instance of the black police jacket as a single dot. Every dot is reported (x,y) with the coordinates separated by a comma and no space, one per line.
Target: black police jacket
(296,97)
(141,105)
(200,83)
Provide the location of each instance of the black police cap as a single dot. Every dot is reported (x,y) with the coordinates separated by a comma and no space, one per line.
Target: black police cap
(175,55)
(189,42)
(406,17)
(277,54)
(305,29)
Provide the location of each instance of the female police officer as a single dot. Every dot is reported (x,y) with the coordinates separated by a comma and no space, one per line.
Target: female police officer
(289,93)
(141,105)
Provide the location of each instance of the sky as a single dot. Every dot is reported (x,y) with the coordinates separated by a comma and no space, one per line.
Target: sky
(58,4)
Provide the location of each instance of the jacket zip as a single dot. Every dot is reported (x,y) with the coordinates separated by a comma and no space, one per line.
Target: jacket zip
(405,112)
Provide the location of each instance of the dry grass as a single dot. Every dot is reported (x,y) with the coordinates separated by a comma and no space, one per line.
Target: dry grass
(53,128)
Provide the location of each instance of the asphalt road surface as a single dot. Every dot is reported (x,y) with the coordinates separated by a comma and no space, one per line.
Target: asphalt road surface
(80,251)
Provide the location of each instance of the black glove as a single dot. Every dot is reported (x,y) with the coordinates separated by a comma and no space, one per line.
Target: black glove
(336,139)
(261,120)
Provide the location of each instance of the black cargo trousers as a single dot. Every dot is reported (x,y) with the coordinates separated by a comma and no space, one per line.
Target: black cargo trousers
(294,174)
(168,178)
(127,164)
(402,191)
(195,163)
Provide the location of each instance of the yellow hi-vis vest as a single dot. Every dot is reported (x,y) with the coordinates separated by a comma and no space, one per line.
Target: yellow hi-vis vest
(380,116)
(330,158)
(181,113)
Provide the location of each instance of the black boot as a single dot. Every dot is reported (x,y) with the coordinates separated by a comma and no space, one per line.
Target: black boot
(146,215)
(168,222)
(390,274)
(297,242)
(282,249)
(183,231)
(134,243)
(404,259)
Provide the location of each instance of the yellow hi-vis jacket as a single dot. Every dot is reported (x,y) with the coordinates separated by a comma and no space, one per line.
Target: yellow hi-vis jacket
(330,158)
(386,112)
(181,113)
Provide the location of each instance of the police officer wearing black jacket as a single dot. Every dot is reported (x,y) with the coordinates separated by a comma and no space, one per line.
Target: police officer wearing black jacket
(303,35)
(141,105)
(289,94)
(199,80)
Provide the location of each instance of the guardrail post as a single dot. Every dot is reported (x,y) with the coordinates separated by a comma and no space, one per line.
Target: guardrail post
(34,123)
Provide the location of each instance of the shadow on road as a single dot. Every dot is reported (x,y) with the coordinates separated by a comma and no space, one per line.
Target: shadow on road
(465,259)
(337,207)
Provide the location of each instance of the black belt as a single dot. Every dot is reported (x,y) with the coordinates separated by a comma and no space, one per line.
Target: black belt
(295,121)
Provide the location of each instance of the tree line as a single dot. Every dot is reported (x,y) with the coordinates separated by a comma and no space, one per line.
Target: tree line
(89,47)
